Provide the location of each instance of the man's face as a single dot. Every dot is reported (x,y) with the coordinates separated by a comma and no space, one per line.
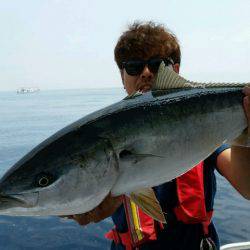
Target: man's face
(142,82)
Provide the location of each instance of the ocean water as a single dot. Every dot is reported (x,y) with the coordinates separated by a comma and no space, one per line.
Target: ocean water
(27,119)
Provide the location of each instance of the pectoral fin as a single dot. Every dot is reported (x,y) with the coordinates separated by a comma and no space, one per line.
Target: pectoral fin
(147,201)
(130,155)
(243,140)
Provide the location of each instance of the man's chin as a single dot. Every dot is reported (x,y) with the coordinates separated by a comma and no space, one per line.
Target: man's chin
(145,88)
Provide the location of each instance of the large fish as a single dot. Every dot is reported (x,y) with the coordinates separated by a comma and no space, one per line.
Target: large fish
(139,142)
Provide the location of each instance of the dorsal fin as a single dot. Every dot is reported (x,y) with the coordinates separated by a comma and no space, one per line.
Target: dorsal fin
(166,78)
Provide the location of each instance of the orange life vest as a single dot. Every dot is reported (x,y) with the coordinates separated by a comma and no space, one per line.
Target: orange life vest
(191,209)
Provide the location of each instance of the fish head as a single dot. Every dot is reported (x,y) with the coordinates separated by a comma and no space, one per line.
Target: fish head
(47,183)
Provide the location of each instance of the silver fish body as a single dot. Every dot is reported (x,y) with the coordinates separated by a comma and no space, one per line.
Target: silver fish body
(142,141)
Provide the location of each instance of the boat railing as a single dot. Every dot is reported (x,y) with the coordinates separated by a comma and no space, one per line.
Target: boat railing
(237,246)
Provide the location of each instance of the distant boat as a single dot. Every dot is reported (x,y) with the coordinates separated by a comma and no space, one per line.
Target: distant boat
(24,90)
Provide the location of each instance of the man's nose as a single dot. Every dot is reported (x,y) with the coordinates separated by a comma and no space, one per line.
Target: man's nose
(146,74)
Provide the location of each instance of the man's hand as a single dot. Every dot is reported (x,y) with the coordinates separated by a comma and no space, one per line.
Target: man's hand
(246,104)
(104,210)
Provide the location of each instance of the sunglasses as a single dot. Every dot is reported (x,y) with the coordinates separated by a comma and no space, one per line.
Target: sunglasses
(135,67)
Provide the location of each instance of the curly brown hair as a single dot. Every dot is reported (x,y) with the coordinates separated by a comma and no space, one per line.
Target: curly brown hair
(146,40)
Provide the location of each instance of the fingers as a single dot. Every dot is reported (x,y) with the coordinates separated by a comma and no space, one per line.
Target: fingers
(246,101)
(107,207)
(66,216)
(246,104)
(95,216)
(82,219)
(246,90)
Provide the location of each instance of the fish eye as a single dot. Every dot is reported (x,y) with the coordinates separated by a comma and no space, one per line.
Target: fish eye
(44,179)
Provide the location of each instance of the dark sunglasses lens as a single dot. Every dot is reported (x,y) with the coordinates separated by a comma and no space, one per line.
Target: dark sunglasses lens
(134,68)
(154,65)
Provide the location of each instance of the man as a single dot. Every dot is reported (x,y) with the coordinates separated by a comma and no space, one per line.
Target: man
(138,54)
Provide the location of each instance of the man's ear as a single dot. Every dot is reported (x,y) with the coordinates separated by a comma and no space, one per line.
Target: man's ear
(122,76)
(176,68)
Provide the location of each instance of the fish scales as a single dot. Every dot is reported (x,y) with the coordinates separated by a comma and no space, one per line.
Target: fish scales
(180,114)
(139,142)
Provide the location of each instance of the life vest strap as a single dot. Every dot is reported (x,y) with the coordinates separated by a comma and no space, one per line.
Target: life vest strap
(206,223)
(141,226)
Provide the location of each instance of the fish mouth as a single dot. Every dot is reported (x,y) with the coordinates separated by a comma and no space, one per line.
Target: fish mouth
(26,200)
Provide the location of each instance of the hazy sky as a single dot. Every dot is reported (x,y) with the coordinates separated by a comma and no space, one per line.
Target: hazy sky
(69,44)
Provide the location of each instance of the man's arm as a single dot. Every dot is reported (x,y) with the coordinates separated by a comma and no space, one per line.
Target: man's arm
(234,163)
(102,211)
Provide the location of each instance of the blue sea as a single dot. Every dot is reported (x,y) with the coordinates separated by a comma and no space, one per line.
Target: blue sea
(28,119)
